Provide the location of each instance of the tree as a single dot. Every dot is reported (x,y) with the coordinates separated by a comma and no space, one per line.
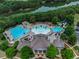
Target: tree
(70,19)
(15,44)
(4,45)
(11,52)
(72,39)
(64,36)
(32,19)
(55,20)
(67,53)
(19,19)
(69,30)
(70,35)
(51,52)
(26,52)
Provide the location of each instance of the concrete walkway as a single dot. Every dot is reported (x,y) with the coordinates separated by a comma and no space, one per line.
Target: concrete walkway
(2,54)
(76,56)
(8,58)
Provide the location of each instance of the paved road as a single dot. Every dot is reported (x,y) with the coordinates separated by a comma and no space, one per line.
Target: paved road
(77,34)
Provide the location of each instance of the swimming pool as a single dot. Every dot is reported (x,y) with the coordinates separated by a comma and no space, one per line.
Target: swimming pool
(57,29)
(18,32)
(40,29)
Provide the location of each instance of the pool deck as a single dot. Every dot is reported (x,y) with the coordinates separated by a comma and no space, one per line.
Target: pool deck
(30,26)
(8,36)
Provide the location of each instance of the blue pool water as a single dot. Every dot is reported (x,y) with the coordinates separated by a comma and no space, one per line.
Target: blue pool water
(18,32)
(56,29)
(40,29)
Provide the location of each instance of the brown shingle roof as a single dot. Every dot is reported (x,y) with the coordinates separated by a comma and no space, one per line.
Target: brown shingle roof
(40,42)
(58,43)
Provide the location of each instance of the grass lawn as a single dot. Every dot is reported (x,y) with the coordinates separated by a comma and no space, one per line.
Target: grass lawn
(76,18)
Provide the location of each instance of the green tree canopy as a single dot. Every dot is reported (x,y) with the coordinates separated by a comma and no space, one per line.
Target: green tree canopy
(26,52)
(11,52)
(67,53)
(4,45)
(70,19)
(69,35)
(69,30)
(55,20)
(15,44)
(64,36)
(51,52)
(72,39)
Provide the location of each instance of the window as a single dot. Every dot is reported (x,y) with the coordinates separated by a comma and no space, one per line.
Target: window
(44,51)
(40,51)
(36,51)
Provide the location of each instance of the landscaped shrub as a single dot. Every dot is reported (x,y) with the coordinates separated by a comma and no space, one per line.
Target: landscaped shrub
(67,53)
(26,53)
(51,52)
(11,52)
(15,44)
(4,45)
